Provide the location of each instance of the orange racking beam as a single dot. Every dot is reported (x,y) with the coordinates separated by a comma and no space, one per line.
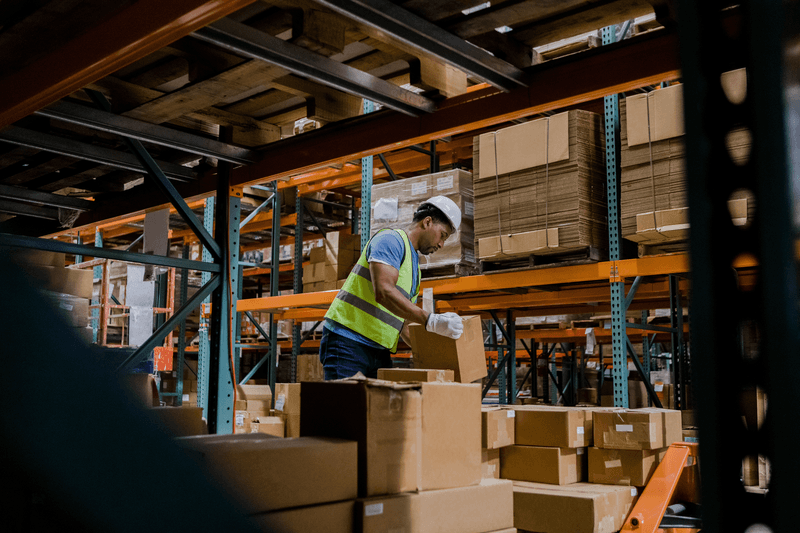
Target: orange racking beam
(130,34)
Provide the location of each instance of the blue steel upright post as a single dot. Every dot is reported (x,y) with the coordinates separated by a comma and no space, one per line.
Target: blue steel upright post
(366,187)
(618,334)
(204,348)
(275,248)
(97,272)
(297,281)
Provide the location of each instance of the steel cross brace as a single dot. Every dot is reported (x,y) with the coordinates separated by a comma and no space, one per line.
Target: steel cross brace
(266,356)
(258,327)
(163,183)
(650,392)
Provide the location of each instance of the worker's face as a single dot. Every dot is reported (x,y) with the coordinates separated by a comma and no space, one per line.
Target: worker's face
(433,236)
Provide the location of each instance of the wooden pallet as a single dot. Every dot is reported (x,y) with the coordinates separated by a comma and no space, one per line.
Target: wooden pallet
(577,256)
(451,271)
(665,248)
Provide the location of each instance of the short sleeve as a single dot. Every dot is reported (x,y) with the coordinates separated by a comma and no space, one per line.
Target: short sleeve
(386,247)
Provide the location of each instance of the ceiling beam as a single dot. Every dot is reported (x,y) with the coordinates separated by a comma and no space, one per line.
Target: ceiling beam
(558,84)
(426,37)
(44,198)
(243,39)
(17,208)
(97,119)
(89,152)
(130,34)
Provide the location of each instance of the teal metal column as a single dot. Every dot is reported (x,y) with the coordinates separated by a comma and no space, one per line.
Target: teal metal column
(618,334)
(204,351)
(274,286)
(502,389)
(184,287)
(366,187)
(97,273)
(511,339)
(297,281)
(554,372)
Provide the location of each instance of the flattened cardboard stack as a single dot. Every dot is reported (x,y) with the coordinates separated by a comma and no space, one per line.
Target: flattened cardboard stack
(548,184)
(654,208)
(419,467)
(331,263)
(394,204)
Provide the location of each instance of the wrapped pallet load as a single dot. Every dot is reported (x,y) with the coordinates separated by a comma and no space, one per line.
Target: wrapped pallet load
(394,203)
(540,188)
(654,207)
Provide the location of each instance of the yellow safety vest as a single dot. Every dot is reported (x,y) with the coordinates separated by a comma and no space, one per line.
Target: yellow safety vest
(355,306)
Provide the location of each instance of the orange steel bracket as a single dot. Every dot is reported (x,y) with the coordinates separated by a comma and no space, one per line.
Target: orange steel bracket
(646,515)
(133,32)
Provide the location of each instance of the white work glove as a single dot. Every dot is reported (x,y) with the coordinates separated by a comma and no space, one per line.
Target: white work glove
(445,324)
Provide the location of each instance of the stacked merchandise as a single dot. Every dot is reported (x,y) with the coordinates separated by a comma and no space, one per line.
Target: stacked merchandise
(331,263)
(169,382)
(68,289)
(497,432)
(287,407)
(542,187)
(548,464)
(176,421)
(394,203)
(252,411)
(629,444)
(419,453)
(654,208)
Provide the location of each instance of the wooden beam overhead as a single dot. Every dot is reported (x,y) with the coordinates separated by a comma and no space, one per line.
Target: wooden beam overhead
(130,34)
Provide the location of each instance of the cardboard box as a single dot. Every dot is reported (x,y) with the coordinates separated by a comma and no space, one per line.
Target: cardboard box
(418,375)
(465,356)
(497,427)
(23,257)
(64,280)
(412,436)
(517,244)
(577,508)
(687,418)
(587,395)
(754,406)
(557,466)
(75,310)
(287,400)
(755,471)
(254,393)
(142,389)
(559,427)
(309,367)
(665,115)
(490,464)
(475,509)
(637,429)
(336,517)
(179,421)
(623,467)
(527,145)
(268,425)
(265,473)
(691,435)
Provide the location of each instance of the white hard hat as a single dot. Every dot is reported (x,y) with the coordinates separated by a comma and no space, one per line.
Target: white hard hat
(448,207)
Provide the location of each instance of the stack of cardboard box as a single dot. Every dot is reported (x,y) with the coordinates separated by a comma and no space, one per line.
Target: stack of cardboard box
(629,444)
(654,208)
(68,289)
(331,263)
(287,407)
(419,454)
(497,432)
(540,187)
(252,411)
(292,485)
(394,204)
(549,460)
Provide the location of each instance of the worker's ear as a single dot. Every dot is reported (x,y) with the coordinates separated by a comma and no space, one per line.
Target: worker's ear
(426,222)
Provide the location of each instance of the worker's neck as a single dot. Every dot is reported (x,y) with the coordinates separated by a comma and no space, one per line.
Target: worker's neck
(414,231)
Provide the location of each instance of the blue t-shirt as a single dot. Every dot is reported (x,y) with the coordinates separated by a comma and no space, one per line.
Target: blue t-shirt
(386,247)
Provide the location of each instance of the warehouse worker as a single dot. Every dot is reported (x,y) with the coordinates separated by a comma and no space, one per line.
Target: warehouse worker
(377,302)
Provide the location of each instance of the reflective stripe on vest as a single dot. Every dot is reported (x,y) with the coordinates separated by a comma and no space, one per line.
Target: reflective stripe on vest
(355,306)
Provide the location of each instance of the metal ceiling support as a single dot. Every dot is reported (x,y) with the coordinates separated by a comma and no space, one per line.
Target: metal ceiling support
(160,180)
(52,245)
(89,152)
(44,198)
(97,119)
(28,210)
(419,34)
(248,41)
(135,30)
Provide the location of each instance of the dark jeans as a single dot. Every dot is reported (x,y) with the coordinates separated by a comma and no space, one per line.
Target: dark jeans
(342,357)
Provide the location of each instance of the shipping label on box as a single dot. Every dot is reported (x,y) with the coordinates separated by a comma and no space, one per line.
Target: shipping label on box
(497,426)
(557,466)
(465,355)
